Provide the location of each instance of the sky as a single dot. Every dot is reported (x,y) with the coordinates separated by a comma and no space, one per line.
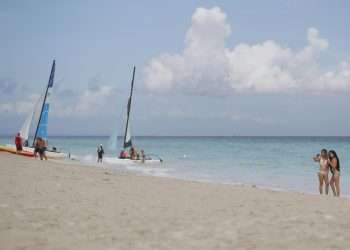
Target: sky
(216,68)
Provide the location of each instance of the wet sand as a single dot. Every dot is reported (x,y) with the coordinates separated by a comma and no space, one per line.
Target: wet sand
(49,205)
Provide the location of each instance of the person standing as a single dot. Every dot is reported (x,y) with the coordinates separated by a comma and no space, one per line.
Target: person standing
(143,156)
(43,147)
(36,147)
(322,159)
(40,148)
(334,164)
(100,153)
(18,142)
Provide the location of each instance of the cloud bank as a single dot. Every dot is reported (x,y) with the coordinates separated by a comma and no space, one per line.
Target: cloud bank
(207,66)
(91,101)
(65,103)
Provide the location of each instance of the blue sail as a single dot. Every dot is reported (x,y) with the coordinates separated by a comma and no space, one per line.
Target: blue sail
(42,126)
(41,130)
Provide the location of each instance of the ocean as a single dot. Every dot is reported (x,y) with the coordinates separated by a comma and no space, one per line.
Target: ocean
(281,163)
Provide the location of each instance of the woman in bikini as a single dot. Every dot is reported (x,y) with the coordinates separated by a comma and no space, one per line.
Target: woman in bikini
(322,159)
(334,164)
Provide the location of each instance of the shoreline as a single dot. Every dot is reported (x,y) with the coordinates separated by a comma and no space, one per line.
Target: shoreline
(109,166)
(44,204)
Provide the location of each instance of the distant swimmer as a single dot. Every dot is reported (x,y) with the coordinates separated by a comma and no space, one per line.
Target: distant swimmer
(100,153)
(18,142)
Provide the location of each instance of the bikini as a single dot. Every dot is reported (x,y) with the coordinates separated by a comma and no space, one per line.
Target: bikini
(336,171)
(323,167)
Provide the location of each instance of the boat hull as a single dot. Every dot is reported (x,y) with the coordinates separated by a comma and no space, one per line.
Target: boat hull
(116,160)
(29,152)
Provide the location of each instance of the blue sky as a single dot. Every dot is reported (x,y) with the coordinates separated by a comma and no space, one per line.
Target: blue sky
(203,67)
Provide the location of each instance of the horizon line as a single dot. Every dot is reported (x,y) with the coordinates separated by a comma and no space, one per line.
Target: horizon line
(99,135)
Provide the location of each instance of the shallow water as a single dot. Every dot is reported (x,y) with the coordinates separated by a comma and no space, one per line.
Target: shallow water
(274,162)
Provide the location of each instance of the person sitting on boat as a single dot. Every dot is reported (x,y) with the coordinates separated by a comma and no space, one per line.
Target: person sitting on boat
(18,142)
(123,154)
(133,153)
(100,153)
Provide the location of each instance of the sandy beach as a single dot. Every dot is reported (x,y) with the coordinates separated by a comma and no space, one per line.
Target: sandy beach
(49,205)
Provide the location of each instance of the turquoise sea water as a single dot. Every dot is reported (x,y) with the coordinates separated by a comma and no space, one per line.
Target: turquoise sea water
(274,162)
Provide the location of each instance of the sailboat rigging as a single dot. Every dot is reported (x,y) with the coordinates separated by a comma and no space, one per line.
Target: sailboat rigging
(127,135)
(41,128)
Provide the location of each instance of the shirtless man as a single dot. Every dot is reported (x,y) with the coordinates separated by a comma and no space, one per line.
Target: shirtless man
(324,170)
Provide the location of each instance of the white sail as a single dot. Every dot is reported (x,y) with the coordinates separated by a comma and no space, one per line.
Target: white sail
(26,126)
(37,109)
(33,115)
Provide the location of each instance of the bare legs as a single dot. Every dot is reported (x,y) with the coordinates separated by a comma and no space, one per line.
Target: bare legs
(326,182)
(337,186)
(335,180)
(323,179)
(320,179)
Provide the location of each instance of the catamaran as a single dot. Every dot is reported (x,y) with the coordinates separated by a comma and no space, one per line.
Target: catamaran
(40,114)
(127,139)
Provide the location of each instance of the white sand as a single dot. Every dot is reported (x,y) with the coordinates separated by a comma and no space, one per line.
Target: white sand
(46,205)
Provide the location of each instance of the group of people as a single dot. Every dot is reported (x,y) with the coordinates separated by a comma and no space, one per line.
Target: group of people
(328,161)
(133,154)
(39,146)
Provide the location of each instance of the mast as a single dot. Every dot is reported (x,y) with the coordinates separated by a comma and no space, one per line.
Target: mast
(129,143)
(49,85)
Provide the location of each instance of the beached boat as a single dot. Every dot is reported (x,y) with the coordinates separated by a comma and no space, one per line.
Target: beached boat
(127,140)
(39,116)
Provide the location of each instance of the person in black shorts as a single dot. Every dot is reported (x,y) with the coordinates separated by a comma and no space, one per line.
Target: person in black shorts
(40,147)
(100,153)
(37,146)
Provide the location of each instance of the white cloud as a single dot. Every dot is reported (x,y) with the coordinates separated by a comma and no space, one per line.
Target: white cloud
(21,107)
(65,103)
(88,102)
(208,66)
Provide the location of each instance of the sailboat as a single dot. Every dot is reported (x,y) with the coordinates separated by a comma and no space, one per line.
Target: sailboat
(127,138)
(127,143)
(39,114)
